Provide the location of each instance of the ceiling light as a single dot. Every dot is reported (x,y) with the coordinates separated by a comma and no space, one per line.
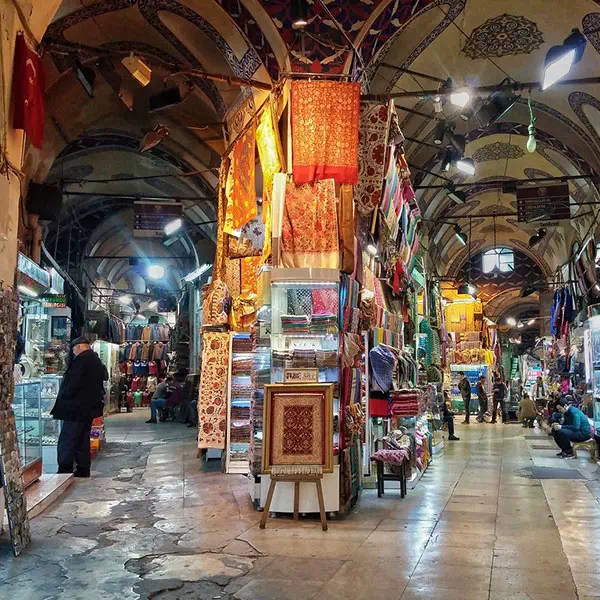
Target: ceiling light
(531,141)
(511,321)
(455,195)
(496,106)
(466,165)
(460,98)
(172,226)
(138,68)
(153,304)
(531,322)
(125,299)
(372,249)
(197,273)
(460,235)
(27,291)
(156,271)
(437,103)
(439,133)
(560,59)
(299,13)
(537,237)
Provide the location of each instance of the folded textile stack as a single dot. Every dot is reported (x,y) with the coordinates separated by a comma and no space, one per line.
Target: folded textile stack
(323,323)
(240,413)
(405,403)
(241,391)
(241,344)
(282,359)
(241,366)
(304,359)
(295,323)
(239,432)
(327,358)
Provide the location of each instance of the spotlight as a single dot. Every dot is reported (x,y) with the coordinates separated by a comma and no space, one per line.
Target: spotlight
(466,165)
(138,68)
(460,235)
(560,59)
(460,98)
(153,304)
(372,249)
(437,103)
(125,299)
(511,321)
(27,291)
(531,322)
(455,195)
(172,226)
(531,141)
(299,14)
(497,105)
(156,271)
(537,237)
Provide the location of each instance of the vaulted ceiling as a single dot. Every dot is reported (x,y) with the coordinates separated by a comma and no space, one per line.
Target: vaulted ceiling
(476,42)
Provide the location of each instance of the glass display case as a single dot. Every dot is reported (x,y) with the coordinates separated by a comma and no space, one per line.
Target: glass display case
(50,428)
(27,409)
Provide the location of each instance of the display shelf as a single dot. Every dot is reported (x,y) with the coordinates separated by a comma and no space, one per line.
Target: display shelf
(27,404)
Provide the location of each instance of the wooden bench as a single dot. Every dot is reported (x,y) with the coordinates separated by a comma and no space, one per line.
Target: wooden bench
(589,445)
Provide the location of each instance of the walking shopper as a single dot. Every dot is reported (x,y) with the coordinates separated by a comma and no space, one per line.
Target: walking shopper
(159,400)
(538,392)
(448,417)
(464,387)
(527,411)
(575,428)
(79,401)
(499,398)
(482,398)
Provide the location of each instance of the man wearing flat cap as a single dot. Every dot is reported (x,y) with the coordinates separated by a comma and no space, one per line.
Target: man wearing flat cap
(80,400)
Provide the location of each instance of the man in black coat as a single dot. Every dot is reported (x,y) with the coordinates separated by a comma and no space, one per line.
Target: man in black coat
(80,400)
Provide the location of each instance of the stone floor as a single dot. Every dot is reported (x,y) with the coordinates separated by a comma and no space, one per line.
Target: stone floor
(480,525)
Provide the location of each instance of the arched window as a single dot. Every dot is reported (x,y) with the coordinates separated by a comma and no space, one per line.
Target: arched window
(501,260)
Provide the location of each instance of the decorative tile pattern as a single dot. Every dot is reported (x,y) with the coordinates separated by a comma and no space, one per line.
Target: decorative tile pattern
(497,151)
(577,100)
(504,35)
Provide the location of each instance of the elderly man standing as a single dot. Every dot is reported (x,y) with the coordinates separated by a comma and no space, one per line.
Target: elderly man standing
(80,400)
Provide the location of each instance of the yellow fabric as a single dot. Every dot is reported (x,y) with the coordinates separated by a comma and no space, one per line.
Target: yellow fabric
(243,311)
(267,141)
(463,317)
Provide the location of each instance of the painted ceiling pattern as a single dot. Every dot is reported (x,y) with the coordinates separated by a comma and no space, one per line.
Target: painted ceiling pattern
(497,151)
(503,35)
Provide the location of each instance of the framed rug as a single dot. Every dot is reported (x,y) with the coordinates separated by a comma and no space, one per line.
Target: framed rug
(298,425)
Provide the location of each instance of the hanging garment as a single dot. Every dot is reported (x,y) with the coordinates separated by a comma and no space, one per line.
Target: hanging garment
(221,247)
(212,396)
(325,117)
(372,135)
(241,190)
(269,153)
(310,234)
(346,228)
(391,199)
(382,362)
(250,267)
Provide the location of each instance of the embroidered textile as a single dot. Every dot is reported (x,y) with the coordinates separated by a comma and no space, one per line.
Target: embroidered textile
(250,241)
(309,233)
(232,276)
(346,228)
(216,303)
(325,116)
(221,250)
(269,152)
(391,201)
(249,275)
(325,301)
(212,397)
(297,429)
(242,195)
(372,141)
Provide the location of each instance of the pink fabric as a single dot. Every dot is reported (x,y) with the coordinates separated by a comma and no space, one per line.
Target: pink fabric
(394,457)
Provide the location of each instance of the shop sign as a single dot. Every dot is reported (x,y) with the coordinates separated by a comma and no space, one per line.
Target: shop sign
(54,301)
(151,217)
(301,375)
(543,203)
(33,271)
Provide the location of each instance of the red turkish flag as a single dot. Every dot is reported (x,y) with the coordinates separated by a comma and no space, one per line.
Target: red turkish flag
(29,82)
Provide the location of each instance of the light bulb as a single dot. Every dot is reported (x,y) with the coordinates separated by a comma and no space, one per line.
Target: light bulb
(531,141)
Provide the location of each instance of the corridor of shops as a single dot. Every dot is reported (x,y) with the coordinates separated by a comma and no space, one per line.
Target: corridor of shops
(496,516)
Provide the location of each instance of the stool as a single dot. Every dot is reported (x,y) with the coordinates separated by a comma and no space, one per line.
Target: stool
(382,477)
(589,445)
(297,474)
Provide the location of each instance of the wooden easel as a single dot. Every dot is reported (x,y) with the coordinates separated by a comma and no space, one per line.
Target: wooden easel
(296,474)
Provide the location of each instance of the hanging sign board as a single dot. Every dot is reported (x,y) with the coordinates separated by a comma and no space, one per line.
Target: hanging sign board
(151,217)
(54,301)
(543,204)
(300,375)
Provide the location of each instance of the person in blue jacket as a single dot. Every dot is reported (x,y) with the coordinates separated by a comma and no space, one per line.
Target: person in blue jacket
(575,428)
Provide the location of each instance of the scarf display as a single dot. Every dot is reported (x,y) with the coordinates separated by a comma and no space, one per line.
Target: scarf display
(372,141)
(269,153)
(241,189)
(212,397)
(346,228)
(309,232)
(325,118)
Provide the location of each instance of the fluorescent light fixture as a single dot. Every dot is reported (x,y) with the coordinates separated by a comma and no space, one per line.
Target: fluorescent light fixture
(531,322)
(197,273)
(125,299)
(372,249)
(466,165)
(138,68)
(460,235)
(172,226)
(27,291)
(455,195)
(156,271)
(511,321)
(299,13)
(460,98)
(153,304)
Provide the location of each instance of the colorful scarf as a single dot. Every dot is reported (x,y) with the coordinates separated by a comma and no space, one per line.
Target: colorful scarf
(325,117)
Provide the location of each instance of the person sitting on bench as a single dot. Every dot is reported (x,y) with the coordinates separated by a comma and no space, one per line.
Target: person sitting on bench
(575,428)
(159,400)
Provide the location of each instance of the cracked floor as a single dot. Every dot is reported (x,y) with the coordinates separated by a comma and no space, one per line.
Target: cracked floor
(496,517)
